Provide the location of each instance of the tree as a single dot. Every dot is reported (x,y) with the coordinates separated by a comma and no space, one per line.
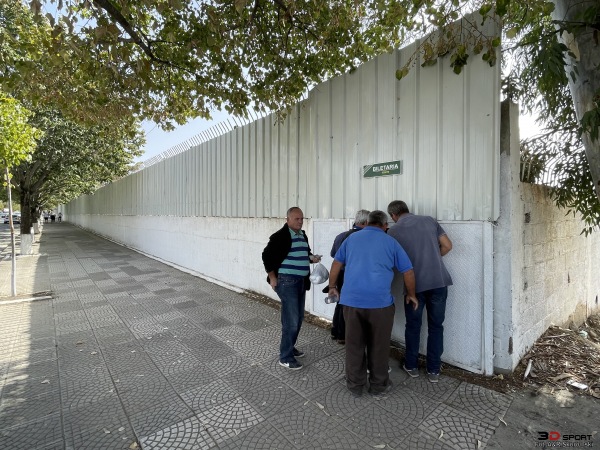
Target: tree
(555,74)
(70,159)
(17,141)
(169,60)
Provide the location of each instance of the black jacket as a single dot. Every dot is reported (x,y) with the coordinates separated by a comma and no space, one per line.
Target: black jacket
(277,250)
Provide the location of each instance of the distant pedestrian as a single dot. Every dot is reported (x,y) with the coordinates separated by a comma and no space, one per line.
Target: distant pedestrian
(60,217)
(52,217)
(46,216)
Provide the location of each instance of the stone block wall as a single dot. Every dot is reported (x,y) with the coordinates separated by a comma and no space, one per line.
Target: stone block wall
(560,268)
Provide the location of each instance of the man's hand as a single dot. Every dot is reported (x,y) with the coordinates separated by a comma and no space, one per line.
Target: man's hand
(412,299)
(273,280)
(315,258)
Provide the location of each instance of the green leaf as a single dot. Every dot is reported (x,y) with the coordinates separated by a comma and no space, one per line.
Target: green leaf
(401,73)
(240,5)
(511,33)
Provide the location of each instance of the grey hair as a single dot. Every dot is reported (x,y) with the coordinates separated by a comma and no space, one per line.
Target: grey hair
(362,217)
(397,207)
(378,218)
(289,211)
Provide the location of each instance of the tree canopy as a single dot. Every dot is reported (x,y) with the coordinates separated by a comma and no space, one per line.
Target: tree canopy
(17,135)
(171,60)
(70,159)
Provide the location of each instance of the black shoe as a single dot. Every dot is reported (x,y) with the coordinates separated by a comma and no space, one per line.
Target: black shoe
(385,391)
(356,392)
(294,365)
(298,353)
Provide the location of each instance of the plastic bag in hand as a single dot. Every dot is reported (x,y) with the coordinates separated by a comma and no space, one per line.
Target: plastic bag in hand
(319,275)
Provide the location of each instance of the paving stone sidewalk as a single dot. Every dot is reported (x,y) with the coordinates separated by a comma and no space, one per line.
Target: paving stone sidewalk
(132,353)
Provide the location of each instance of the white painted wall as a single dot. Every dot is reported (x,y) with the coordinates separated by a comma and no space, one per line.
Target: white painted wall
(229,251)
(545,271)
(561,267)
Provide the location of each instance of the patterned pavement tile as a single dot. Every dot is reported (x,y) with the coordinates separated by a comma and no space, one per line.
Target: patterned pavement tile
(480,403)
(16,410)
(436,391)
(223,365)
(230,333)
(379,426)
(206,397)
(209,353)
(40,433)
(337,401)
(172,316)
(178,364)
(333,364)
(83,373)
(33,356)
(40,369)
(160,416)
(168,347)
(306,425)
(270,400)
(421,441)
(189,434)
(105,413)
(75,395)
(185,380)
(456,429)
(216,323)
(24,385)
(250,379)
(256,353)
(407,404)
(255,323)
(116,437)
(260,437)
(306,382)
(234,415)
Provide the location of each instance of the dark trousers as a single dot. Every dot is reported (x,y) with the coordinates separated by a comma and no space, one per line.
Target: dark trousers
(292,294)
(370,330)
(338,326)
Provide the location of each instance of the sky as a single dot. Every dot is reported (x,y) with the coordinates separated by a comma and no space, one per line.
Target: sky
(158,140)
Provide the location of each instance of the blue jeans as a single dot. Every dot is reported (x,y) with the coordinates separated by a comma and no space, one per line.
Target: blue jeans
(292,294)
(435,301)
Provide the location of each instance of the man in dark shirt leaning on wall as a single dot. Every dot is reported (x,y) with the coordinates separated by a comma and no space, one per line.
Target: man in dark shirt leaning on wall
(425,242)
(287,259)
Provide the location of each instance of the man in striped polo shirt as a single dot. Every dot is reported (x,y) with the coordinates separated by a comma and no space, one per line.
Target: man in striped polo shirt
(287,259)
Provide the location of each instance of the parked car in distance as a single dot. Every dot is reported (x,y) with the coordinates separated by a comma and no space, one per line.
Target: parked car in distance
(16,218)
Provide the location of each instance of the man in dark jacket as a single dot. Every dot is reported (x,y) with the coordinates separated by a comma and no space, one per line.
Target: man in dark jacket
(287,259)
(338,326)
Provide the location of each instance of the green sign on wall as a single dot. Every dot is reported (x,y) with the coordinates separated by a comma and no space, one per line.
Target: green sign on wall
(382,169)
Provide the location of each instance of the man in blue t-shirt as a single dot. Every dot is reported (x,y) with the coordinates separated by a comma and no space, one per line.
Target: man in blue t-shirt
(369,259)
(425,242)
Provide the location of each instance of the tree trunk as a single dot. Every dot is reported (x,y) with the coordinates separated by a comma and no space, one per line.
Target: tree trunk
(26,208)
(586,88)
